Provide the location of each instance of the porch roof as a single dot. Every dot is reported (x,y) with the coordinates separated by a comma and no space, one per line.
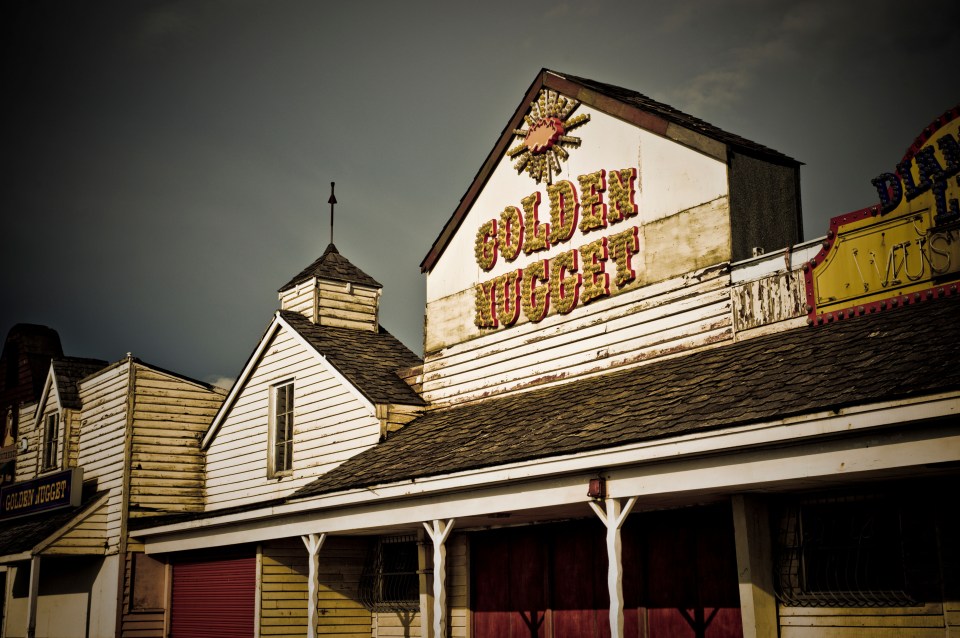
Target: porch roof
(902,353)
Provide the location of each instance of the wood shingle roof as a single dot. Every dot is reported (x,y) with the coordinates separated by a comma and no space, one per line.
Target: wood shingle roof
(68,371)
(333,266)
(369,360)
(897,354)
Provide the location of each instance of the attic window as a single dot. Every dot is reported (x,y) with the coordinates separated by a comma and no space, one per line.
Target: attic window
(281,454)
(51,440)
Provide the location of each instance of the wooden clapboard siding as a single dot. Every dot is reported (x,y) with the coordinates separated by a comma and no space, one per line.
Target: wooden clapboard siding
(283,608)
(301,299)
(71,426)
(654,321)
(170,415)
(924,621)
(340,612)
(331,303)
(330,424)
(347,306)
(27,462)
(103,430)
(137,624)
(458,585)
(405,624)
(89,536)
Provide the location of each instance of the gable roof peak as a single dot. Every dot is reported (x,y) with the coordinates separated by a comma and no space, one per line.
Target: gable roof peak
(332,266)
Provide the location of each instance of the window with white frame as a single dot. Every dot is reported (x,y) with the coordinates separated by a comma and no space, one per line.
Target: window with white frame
(281,454)
(51,441)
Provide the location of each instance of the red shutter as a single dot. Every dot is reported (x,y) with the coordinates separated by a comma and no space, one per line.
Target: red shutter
(214,598)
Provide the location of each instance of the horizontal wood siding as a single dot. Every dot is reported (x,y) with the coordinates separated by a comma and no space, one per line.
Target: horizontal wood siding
(330,425)
(924,621)
(137,624)
(655,321)
(347,307)
(103,427)
(405,624)
(71,424)
(27,462)
(300,299)
(170,416)
(283,610)
(458,585)
(89,536)
(340,612)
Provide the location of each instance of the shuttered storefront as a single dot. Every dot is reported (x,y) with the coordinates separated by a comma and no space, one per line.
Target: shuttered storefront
(214,597)
(549,581)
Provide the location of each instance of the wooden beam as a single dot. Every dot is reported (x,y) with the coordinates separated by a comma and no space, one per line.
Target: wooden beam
(758,606)
(439,531)
(613,519)
(313,542)
(32,596)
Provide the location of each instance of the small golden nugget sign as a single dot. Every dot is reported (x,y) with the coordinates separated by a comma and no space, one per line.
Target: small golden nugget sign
(904,250)
(43,494)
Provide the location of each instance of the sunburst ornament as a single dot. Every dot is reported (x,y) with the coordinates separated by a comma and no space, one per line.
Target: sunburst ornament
(545,140)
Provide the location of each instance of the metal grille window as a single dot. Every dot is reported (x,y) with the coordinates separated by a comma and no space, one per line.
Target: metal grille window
(283,428)
(390,580)
(51,440)
(852,551)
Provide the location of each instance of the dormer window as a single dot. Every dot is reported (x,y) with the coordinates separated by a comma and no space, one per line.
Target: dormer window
(281,456)
(51,441)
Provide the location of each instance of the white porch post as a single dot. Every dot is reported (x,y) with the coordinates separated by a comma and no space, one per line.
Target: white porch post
(32,596)
(438,532)
(613,518)
(313,542)
(758,604)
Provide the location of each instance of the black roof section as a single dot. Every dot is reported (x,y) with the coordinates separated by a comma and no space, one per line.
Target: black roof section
(625,104)
(333,266)
(685,120)
(896,354)
(369,360)
(68,371)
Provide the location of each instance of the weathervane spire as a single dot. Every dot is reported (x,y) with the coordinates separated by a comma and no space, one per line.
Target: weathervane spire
(332,201)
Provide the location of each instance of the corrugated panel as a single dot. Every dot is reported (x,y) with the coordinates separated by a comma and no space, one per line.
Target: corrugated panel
(214,599)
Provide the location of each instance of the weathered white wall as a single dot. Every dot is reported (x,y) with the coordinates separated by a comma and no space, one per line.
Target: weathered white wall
(103,429)
(678,300)
(330,425)
(670,178)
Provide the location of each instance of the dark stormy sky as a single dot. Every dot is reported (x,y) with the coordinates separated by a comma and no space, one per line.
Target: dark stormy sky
(166,165)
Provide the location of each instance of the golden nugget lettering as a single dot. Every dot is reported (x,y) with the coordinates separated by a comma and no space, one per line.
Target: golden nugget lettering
(574,277)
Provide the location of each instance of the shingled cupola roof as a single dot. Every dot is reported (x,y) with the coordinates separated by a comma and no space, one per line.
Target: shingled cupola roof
(332,266)
(333,292)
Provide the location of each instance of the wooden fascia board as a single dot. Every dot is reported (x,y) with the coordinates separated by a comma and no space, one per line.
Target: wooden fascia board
(322,359)
(854,457)
(48,386)
(480,180)
(558,473)
(240,382)
(611,106)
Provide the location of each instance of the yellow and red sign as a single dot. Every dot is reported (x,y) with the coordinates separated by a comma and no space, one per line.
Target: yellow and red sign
(902,251)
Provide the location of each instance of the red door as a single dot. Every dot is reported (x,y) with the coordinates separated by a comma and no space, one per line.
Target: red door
(680,574)
(214,598)
(549,581)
